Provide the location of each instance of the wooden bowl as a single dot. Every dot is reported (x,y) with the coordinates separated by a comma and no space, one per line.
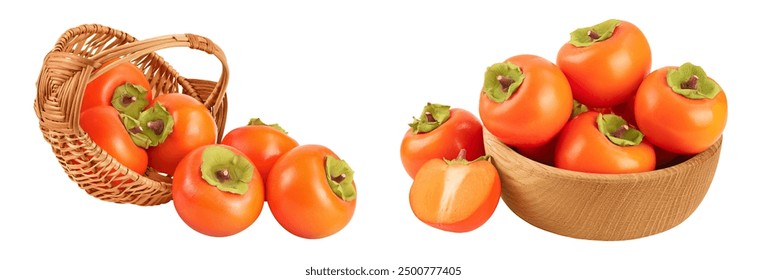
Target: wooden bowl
(601,206)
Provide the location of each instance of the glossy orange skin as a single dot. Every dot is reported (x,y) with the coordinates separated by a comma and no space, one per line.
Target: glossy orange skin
(455,198)
(461,131)
(105,128)
(262,144)
(676,123)
(582,147)
(300,197)
(607,73)
(536,111)
(193,127)
(208,210)
(99,91)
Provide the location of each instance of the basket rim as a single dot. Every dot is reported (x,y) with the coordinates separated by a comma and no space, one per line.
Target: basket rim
(116,44)
(553,171)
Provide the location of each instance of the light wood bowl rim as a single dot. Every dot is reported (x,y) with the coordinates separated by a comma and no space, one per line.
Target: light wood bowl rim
(552,171)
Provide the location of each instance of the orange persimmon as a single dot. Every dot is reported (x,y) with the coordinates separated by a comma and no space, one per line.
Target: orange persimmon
(455,195)
(605,63)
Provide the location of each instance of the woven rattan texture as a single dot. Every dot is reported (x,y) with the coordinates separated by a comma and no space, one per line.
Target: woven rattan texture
(76,59)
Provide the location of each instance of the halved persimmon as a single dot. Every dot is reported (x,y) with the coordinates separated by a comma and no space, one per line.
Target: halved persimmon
(455,195)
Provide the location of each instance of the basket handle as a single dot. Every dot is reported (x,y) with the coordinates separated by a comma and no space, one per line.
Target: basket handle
(136,49)
(140,48)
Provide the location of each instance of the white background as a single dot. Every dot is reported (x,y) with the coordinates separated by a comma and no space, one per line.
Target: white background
(350,76)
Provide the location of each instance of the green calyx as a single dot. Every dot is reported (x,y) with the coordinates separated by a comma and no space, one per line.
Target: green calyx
(152,126)
(584,37)
(692,82)
(258,121)
(133,126)
(461,159)
(432,116)
(502,80)
(226,170)
(340,178)
(130,99)
(578,108)
(617,130)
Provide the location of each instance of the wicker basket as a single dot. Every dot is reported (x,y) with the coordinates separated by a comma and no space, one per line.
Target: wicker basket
(602,206)
(66,71)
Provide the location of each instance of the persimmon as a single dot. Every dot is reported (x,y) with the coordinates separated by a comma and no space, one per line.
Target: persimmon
(455,195)
(603,143)
(441,132)
(525,101)
(124,86)
(262,143)
(545,153)
(217,191)
(105,128)
(176,124)
(605,63)
(680,109)
(311,192)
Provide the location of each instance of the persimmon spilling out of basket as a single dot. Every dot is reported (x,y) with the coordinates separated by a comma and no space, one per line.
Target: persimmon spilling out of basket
(597,110)
(218,189)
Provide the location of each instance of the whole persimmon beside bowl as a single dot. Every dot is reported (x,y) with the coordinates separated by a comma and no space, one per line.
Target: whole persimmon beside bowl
(602,206)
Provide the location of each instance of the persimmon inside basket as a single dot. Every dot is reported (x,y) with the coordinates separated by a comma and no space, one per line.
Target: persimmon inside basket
(76,59)
(602,206)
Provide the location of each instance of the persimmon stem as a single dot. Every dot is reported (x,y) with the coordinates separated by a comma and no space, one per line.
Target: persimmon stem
(691,83)
(156,125)
(593,34)
(340,178)
(136,129)
(127,100)
(223,175)
(429,117)
(505,82)
(620,131)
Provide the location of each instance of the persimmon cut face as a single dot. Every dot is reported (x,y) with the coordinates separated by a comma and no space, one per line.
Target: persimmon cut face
(452,200)
(456,197)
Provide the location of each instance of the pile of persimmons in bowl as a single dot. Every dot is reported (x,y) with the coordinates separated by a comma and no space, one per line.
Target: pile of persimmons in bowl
(597,145)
